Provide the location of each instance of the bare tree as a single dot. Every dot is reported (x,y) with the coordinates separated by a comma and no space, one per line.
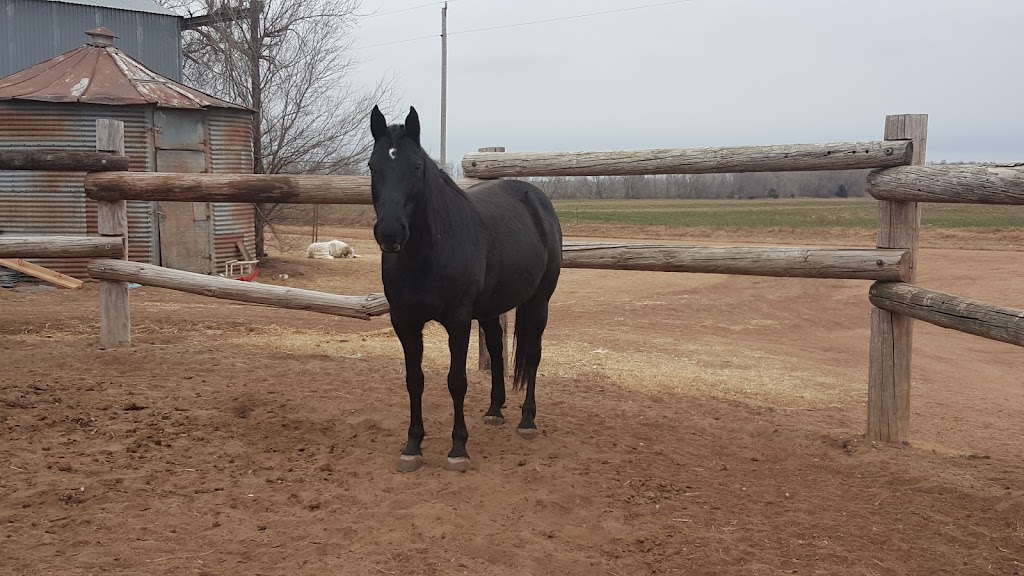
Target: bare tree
(291,62)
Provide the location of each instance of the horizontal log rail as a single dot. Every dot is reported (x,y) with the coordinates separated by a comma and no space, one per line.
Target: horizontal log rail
(797,157)
(361,307)
(61,160)
(791,262)
(61,246)
(990,184)
(243,188)
(948,311)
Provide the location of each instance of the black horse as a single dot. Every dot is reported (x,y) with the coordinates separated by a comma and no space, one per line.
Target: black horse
(453,256)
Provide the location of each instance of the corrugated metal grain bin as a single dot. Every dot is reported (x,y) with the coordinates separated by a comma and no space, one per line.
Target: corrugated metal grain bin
(168,128)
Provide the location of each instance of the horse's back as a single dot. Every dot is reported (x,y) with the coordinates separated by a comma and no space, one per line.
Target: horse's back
(524,240)
(517,211)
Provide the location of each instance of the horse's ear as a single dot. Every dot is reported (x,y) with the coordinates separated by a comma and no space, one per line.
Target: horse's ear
(412,125)
(378,125)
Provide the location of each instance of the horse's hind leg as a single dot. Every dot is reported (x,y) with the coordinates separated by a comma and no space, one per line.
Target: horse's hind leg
(531,320)
(494,337)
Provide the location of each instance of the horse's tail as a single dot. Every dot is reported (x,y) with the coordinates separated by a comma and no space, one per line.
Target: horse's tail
(531,319)
(518,354)
(518,358)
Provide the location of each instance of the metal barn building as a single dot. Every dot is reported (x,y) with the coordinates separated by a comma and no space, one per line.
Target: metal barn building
(169,127)
(34,30)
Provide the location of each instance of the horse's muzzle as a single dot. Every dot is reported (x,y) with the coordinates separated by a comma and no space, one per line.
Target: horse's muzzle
(391,247)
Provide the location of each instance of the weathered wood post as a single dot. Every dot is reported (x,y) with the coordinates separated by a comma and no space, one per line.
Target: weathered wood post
(112,220)
(892,333)
(485,358)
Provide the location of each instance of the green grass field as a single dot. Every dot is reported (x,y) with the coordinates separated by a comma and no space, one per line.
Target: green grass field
(798,213)
(858,213)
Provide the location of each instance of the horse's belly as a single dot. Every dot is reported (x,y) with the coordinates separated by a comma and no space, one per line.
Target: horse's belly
(507,293)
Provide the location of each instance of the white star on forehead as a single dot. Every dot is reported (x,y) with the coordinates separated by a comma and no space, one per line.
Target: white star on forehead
(392,152)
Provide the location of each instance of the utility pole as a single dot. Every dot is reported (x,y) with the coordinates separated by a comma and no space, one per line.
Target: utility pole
(256,101)
(444,83)
(256,82)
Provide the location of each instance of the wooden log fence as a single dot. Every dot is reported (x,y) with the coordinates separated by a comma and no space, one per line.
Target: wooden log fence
(361,307)
(112,222)
(62,160)
(779,261)
(798,157)
(891,337)
(994,184)
(948,311)
(60,246)
(898,180)
(246,188)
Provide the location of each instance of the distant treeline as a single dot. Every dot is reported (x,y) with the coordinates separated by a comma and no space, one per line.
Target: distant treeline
(825,184)
(831,184)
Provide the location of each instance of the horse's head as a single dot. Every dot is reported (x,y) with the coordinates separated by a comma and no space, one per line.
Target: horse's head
(396,177)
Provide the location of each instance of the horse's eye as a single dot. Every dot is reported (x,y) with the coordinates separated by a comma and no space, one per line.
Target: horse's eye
(419,166)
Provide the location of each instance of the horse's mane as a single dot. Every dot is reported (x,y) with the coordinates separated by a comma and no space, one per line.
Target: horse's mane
(448,208)
(446,205)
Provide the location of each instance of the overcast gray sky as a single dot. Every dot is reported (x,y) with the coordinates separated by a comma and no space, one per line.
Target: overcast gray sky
(707,73)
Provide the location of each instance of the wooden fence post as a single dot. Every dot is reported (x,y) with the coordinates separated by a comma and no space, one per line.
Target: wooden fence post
(112,220)
(892,333)
(485,358)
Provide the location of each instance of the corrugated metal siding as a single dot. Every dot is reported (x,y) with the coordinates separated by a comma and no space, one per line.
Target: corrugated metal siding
(231,153)
(33,202)
(35,30)
(133,5)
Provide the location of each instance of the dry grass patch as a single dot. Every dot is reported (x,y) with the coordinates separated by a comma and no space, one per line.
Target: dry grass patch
(708,369)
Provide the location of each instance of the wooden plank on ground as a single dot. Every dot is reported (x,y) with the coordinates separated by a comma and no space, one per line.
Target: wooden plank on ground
(44,274)
(240,244)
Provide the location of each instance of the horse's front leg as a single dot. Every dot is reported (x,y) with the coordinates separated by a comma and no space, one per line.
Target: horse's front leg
(458,345)
(410,333)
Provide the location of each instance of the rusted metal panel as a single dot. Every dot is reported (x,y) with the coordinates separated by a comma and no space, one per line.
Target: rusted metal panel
(179,130)
(230,136)
(230,141)
(184,226)
(36,202)
(232,223)
(102,75)
(184,236)
(44,203)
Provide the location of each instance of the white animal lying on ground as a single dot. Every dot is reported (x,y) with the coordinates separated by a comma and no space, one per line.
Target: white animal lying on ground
(330,250)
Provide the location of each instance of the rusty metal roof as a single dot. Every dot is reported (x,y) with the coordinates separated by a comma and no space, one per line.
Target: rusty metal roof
(100,73)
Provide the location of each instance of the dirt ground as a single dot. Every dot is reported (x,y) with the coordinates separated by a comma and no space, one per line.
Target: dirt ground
(691,424)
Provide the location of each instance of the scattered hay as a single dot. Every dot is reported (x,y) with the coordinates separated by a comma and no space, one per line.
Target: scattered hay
(709,369)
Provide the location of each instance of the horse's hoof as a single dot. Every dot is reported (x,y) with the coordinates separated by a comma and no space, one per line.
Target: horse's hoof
(527,433)
(410,463)
(494,420)
(458,464)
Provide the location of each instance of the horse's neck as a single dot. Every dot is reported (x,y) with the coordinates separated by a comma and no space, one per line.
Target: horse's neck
(445,218)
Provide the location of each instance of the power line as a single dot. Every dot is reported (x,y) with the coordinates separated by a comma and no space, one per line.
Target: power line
(519,24)
(399,41)
(573,17)
(374,15)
